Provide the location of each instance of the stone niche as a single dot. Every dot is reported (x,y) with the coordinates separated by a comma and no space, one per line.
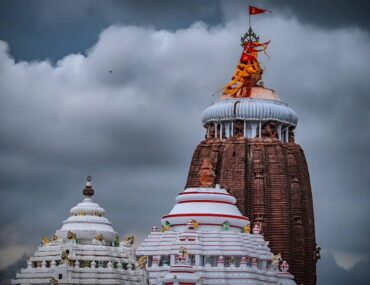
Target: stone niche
(238,128)
(270,130)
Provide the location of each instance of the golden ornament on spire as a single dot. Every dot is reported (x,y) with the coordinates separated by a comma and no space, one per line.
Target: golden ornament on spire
(248,72)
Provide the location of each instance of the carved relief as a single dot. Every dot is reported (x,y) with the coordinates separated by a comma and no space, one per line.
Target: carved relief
(296,193)
(291,160)
(269,130)
(206,174)
(238,128)
(211,131)
(291,135)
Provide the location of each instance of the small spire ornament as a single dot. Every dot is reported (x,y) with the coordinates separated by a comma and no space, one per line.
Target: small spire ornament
(88,191)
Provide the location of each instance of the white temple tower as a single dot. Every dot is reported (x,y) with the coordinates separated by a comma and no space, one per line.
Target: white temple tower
(86,250)
(206,240)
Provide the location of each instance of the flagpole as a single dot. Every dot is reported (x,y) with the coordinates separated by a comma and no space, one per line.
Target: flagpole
(249,2)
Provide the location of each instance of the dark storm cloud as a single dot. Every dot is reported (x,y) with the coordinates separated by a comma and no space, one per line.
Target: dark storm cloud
(322,14)
(332,14)
(52,29)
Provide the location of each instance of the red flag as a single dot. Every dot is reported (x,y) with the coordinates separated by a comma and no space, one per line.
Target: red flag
(255,10)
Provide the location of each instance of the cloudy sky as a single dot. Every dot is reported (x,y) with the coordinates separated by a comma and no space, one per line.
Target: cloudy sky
(63,116)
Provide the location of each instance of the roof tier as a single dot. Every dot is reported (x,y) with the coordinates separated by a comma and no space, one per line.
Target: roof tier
(87,221)
(209,208)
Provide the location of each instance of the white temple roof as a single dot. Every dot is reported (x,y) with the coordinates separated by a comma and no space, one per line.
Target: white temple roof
(84,251)
(209,207)
(196,247)
(87,220)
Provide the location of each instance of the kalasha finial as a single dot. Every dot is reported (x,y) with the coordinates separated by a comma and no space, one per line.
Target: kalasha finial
(88,191)
(207,175)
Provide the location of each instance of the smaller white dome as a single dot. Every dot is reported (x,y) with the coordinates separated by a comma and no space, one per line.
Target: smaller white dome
(86,221)
(87,206)
(209,207)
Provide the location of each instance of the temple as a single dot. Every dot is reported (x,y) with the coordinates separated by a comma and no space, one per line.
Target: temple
(206,240)
(86,250)
(251,146)
(248,173)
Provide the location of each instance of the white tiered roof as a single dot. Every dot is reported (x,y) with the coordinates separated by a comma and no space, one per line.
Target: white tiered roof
(196,247)
(210,207)
(84,251)
(86,221)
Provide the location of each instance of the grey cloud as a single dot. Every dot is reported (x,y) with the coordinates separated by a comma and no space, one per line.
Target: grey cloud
(53,29)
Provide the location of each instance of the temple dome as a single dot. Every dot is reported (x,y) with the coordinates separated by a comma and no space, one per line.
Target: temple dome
(249,109)
(87,206)
(87,220)
(209,207)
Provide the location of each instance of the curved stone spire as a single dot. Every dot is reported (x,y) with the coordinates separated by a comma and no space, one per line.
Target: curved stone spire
(250,138)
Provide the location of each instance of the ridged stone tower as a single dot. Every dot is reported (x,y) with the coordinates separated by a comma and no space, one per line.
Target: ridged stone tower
(250,143)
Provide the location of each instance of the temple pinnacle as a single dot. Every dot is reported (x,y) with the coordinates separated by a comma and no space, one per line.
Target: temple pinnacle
(88,190)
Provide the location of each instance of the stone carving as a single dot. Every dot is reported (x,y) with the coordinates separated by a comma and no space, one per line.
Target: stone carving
(284,266)
(71,235)
(129,240)
(238,128)
(275,261)
(269,130)
(256,229)
(99,237)
(116,242)
(55,237)
(226,226)
(193,224)
(183,257)
(316,254)
(211,131)
(45,241)
(64,257)
(206,174)
(166,226)
(143,260)
(247,229)
(291,135)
